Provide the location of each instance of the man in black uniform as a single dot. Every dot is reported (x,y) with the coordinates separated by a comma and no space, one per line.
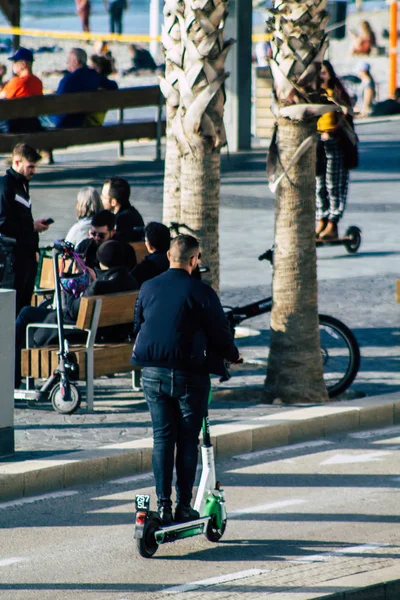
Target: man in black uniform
(16,220)
(128,220)
(182,335)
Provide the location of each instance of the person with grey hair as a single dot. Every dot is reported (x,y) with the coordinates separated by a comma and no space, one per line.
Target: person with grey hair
(80,78)
(88,203)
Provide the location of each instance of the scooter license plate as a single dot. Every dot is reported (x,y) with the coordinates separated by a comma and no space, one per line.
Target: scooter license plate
(142,502)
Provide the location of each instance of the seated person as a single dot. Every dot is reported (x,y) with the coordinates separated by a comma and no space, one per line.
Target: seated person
(80,79)
(101,230)
(3,72)
(112,277)
(364,42)
(22,85)
(102,65)
(391,106)
(100,48)
(157,238)
(129,223)
(88,203)
(142,60)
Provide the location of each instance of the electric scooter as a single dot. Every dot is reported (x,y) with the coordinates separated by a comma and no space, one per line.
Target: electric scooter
(351,240)
(64,394)
(210,504)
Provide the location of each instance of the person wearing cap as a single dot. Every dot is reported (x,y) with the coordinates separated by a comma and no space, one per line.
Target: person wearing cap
(367,89)
(23,84)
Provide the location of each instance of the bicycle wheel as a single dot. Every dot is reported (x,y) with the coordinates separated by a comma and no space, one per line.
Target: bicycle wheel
(340,355)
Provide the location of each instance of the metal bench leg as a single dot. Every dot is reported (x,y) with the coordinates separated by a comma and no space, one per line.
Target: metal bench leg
(136,380)
(89,379)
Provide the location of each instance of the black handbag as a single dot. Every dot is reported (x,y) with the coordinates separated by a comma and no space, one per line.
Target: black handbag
(7,262)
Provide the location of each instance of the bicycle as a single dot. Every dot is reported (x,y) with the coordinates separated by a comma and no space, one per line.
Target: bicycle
(339,347)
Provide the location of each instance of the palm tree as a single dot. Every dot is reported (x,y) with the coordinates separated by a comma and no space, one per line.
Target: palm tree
(294,372)
(193,86)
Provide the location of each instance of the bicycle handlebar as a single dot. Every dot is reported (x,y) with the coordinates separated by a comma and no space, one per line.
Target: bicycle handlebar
(268,255)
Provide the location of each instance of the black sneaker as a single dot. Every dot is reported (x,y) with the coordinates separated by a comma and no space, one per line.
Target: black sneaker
(185,513)
(165,512)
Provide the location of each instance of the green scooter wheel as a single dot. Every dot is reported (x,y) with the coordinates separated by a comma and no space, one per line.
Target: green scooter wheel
(147,545)
(214,533)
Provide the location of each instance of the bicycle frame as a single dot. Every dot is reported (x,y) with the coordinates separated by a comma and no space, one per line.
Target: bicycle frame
(238,314)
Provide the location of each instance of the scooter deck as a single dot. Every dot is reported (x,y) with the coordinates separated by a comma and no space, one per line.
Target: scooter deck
(181,530)
(335,242)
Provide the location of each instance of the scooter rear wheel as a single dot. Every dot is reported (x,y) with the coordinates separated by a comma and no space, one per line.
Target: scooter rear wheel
(147,545)
(212,532)
(60,404)
(354,233)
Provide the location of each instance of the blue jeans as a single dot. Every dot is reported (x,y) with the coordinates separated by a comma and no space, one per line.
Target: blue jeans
(177,402)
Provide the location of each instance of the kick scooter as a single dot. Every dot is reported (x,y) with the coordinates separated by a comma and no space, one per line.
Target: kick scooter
(351,240)
(210,504)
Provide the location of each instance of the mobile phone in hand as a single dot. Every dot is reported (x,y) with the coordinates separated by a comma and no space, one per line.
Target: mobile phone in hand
(48,221)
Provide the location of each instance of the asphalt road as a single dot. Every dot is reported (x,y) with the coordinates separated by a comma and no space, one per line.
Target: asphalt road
(302,515)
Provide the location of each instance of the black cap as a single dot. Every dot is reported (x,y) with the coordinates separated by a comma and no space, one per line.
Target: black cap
(22,54)
(110,254)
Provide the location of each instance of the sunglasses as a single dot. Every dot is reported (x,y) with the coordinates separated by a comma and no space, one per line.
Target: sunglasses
(97,234)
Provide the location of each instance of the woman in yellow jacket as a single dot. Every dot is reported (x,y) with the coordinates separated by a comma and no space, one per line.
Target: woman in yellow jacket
(332,168)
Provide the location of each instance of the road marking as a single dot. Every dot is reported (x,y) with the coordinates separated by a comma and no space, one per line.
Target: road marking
(188,587)
(281,449)
(264,507)
(364,435)
(341,459)
(33,499)
(5,562)
(132,478)
(325,556)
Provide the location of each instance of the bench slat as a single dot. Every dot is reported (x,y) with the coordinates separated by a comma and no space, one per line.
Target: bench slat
(63,138)
(82,102)
(397,290)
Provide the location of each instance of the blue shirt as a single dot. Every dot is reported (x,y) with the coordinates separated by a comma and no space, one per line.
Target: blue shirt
(80,80)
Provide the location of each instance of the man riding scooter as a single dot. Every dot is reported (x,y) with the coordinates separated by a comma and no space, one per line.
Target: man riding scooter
(182,335)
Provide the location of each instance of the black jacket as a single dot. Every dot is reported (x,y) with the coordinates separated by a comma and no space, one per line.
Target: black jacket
(112,281)
(88,248)
(126,220)
(16,219)
(180,324)
(151,266)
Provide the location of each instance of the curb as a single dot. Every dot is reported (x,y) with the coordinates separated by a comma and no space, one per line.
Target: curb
(374,585)
(34,477)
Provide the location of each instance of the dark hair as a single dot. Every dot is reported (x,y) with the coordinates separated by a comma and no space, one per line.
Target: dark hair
(158,236)
(334,83)
(27,152)
(104,217)
(183,247)
(101,64)
(397,94)
(110,254)
(120,190)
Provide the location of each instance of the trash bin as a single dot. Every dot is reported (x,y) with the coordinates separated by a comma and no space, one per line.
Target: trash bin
(338,13)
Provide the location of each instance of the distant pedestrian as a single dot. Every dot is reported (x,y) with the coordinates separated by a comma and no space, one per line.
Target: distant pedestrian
(116,9)
(83,8)
(335,155)
(367,90)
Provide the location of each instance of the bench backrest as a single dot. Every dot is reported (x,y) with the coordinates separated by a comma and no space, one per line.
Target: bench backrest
(140,250)
(116,309)
(98,101)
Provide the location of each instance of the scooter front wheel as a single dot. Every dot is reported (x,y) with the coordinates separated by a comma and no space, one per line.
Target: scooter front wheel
(62,404)
(147,545)
(214,533)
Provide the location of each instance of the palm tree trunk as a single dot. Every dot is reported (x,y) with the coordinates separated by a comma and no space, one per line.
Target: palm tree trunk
(172,182)
(195,97)
(200,205)
(295,371)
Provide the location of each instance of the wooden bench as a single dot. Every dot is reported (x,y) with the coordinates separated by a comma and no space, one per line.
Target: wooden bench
(94,360)
(86,102)
(397,290)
